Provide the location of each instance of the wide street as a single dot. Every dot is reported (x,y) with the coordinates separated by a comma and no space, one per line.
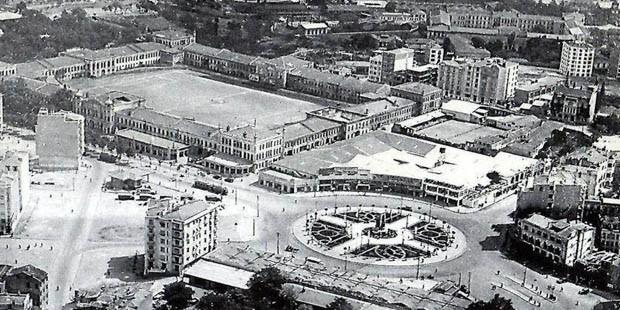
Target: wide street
(77,216)
(277,211)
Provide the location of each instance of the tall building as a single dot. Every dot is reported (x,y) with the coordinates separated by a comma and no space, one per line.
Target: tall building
(9,202)
(178,234)
(389,62)
(573,105)
(59,139)
(577,59)
(559,241)
(489,81)
(1,111)
(433,54)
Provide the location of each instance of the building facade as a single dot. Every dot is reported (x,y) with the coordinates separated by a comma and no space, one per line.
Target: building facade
(174,38)
(178,234)
(577,59)
(59,139)
(490,81)
(559,241)
(99,110)
(388,62)
(427,97)
(29,280)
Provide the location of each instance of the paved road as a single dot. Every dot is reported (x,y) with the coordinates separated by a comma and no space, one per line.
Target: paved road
(481,260)
(75,235)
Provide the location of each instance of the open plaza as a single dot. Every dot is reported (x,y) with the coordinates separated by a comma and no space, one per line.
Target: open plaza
(189,95)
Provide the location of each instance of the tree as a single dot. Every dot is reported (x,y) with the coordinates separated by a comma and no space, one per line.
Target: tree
(339,304)
(497,303)
(495,177)
(477,42)
(231,300)
(21,7)
(266,291)
(363,41)
(390,7)
(447,45)
(177,295)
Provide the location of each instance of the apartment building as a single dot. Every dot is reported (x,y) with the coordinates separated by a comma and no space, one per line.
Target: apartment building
(111,60)
(391,61)
(178,234)
(174,38)
(59,139)
(530,90)
(490,81)
(100,106)
(256,147)
(427,97)
(426,74)
(577,59)
(559,241)
(433,53)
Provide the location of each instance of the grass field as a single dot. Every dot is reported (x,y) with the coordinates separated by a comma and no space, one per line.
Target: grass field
(185,93)
(457,132)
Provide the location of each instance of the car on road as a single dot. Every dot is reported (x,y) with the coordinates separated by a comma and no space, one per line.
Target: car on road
(217,176)
(229,180)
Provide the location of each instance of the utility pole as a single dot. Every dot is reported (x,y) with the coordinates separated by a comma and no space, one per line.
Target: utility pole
(459,280)
(468,283)
(524,275)
(257,207)
(417,273)
(236,192)
(278,243)
(253,227)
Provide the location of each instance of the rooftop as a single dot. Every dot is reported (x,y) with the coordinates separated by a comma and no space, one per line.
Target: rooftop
(165,209)
(29,270)
(306,127)
(306,25)
(460,106)
(417,88)
(149,139)
(172,34)
(560,227)
(380,106)
(169,121)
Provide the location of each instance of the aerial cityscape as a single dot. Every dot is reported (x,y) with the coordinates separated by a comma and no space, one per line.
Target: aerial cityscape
(309,154)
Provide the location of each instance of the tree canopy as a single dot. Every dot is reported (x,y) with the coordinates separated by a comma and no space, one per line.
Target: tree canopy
(497,303)
(339,304)
(177,295)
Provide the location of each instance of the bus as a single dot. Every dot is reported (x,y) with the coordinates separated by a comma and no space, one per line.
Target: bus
(216,189)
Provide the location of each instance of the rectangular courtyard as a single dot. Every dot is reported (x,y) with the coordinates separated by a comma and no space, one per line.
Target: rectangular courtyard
(188,94)
(458,133)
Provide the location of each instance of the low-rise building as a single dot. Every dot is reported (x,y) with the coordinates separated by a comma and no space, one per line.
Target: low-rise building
(331,86)
(426,74)
(131,141)
(531,90)
(573,106)
(174,38)
(29,280)
(19,301)
(59,139)
(7,69)
(178,234)
(309,133)
(613,71)
(427,97)
(560,241)
(313,29)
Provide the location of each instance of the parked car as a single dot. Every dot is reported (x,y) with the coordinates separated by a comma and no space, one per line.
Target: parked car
(217,176)
(229,180)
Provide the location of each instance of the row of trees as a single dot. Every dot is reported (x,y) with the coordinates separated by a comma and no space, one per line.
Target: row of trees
(37,36)
(21,104)
(266,292)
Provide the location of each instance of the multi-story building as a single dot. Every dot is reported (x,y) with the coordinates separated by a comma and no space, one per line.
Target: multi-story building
(17,165)
(558,194)
(604,214)
(427,97)
(7,69)
(489,81)
(29,280)
(530,90)
(174,38)
(577,59)
(111,60)
(433,53)
(485,19)
(426,74)
(10,207)
(389,62)
(308,134)
(560,241)
(572,105)
(256,147)
(178,234)
(59,139)
(255,69)
(327,85)
(99,108)
(417,16)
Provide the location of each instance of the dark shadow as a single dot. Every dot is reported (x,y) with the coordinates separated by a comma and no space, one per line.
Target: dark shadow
(128,269)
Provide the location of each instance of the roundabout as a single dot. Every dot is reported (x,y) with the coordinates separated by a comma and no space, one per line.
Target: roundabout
(379,236)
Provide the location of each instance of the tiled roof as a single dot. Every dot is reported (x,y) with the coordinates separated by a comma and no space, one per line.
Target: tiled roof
(418,88)
(31,271)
